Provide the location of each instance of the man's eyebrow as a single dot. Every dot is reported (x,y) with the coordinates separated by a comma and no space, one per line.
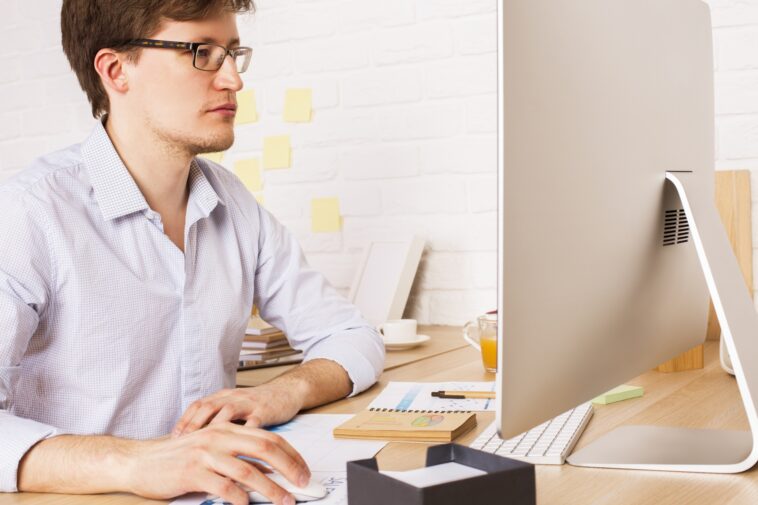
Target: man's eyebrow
(234,42)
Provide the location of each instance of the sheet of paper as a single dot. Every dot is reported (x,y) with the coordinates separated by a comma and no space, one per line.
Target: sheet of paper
(418,396)
(325,215)
(298,105)
(249,172)
(214,157)
(247,111)
(334,482)
(276,151)
(437,474)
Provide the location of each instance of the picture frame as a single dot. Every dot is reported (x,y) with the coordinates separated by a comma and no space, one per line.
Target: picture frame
(384,278)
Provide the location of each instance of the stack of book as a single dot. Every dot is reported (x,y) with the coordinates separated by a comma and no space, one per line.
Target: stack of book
(265,343)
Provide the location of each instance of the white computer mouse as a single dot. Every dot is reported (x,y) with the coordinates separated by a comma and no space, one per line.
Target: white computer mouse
(313,491)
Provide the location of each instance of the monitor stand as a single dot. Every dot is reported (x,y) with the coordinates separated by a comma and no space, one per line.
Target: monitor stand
(698,450)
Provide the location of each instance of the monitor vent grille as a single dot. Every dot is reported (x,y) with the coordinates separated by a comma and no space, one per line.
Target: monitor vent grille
(676,229)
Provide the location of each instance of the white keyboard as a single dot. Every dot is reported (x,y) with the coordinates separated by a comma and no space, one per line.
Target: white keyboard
(547,444)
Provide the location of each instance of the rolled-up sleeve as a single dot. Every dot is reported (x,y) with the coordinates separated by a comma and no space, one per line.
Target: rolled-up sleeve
(315,317)
(25,271)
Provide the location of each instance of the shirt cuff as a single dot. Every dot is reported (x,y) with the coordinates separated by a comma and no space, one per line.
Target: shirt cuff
(362,366)
(19,435)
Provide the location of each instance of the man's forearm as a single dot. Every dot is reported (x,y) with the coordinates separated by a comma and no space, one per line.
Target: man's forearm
(76,465)
(318,381)
(204,461)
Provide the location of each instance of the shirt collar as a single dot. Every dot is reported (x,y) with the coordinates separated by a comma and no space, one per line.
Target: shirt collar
(115,190)
(201,191)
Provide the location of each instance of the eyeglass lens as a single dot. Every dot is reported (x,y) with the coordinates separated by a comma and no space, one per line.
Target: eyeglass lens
(211,57)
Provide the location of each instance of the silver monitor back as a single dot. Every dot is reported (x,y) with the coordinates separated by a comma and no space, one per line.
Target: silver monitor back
(598,100)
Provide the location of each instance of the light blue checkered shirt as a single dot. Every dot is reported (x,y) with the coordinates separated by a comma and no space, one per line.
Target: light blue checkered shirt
(107,328)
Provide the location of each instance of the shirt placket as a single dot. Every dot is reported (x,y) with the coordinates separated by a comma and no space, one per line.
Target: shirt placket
(192,352)
(182,267)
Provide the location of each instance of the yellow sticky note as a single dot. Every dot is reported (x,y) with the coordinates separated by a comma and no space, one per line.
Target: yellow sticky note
(249,172)
(276,152)
(259,198)
(325,215)
(214,157)
(617,394)
(297,105)
(247,112)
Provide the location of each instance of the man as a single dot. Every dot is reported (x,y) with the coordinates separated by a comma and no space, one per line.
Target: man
(128,268)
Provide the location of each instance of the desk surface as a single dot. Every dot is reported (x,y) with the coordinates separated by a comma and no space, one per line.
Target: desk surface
(705,398)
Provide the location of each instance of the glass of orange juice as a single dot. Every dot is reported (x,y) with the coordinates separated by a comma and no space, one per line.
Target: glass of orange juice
(482,334)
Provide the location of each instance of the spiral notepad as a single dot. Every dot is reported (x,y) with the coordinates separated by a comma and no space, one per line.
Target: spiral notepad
(407,425)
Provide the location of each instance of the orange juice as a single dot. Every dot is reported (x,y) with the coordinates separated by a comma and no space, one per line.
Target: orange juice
(489,353)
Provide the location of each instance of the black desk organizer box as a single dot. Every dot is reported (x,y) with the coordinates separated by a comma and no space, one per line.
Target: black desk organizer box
(507,481)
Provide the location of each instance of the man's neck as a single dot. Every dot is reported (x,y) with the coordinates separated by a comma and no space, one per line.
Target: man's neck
(160,171)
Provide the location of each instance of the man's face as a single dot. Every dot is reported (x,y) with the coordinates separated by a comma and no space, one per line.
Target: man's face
(181,105)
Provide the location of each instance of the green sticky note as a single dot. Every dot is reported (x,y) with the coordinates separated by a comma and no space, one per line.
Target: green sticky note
(276,151)
(249,172)
(617,394)
(247,112)
(325,215)
(298,105)
(214,157)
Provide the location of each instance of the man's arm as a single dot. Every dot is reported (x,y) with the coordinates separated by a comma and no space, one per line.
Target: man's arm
(25,278)
(313,383)
(204,461)
(298,299)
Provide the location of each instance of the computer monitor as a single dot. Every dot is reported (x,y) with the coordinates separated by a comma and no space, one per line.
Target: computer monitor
(607,227)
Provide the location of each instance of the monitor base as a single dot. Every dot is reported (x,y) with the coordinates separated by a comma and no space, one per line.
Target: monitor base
(671,449)
(691,450)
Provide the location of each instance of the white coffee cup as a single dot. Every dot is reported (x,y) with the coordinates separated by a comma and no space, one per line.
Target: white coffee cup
(398,330)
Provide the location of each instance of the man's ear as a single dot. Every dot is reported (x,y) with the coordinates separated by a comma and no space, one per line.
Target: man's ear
(110,66)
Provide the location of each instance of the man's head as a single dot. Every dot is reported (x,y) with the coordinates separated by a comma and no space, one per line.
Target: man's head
(157,88)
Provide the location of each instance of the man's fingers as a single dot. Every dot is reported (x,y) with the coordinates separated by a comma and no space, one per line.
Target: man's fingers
(276,439)
(257,463)
(202,411)
(182,422)
(189,415)
(203,414)
(247,474)
(227,413)
(291,451)
(225,488)
(253,421)
(272,449)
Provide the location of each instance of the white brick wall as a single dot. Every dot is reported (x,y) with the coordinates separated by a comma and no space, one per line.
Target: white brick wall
(735,36)
(403,131)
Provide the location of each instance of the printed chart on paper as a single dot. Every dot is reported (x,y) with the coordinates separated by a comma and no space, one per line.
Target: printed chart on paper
(418,396)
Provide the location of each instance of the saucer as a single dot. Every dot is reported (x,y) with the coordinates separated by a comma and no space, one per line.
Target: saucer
(407,344)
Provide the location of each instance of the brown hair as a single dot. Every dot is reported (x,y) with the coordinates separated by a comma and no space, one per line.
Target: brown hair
(90,25)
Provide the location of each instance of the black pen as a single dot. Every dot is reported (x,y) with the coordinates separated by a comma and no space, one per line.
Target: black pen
(461,395)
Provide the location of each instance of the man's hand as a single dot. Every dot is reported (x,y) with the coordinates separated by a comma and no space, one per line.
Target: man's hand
(313,383)
(206,461)
(260,406)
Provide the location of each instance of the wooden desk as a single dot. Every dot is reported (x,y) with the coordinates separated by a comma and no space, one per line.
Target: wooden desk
(706,398)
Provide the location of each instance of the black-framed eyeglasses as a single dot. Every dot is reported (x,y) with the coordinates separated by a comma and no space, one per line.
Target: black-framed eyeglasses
(205,55)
